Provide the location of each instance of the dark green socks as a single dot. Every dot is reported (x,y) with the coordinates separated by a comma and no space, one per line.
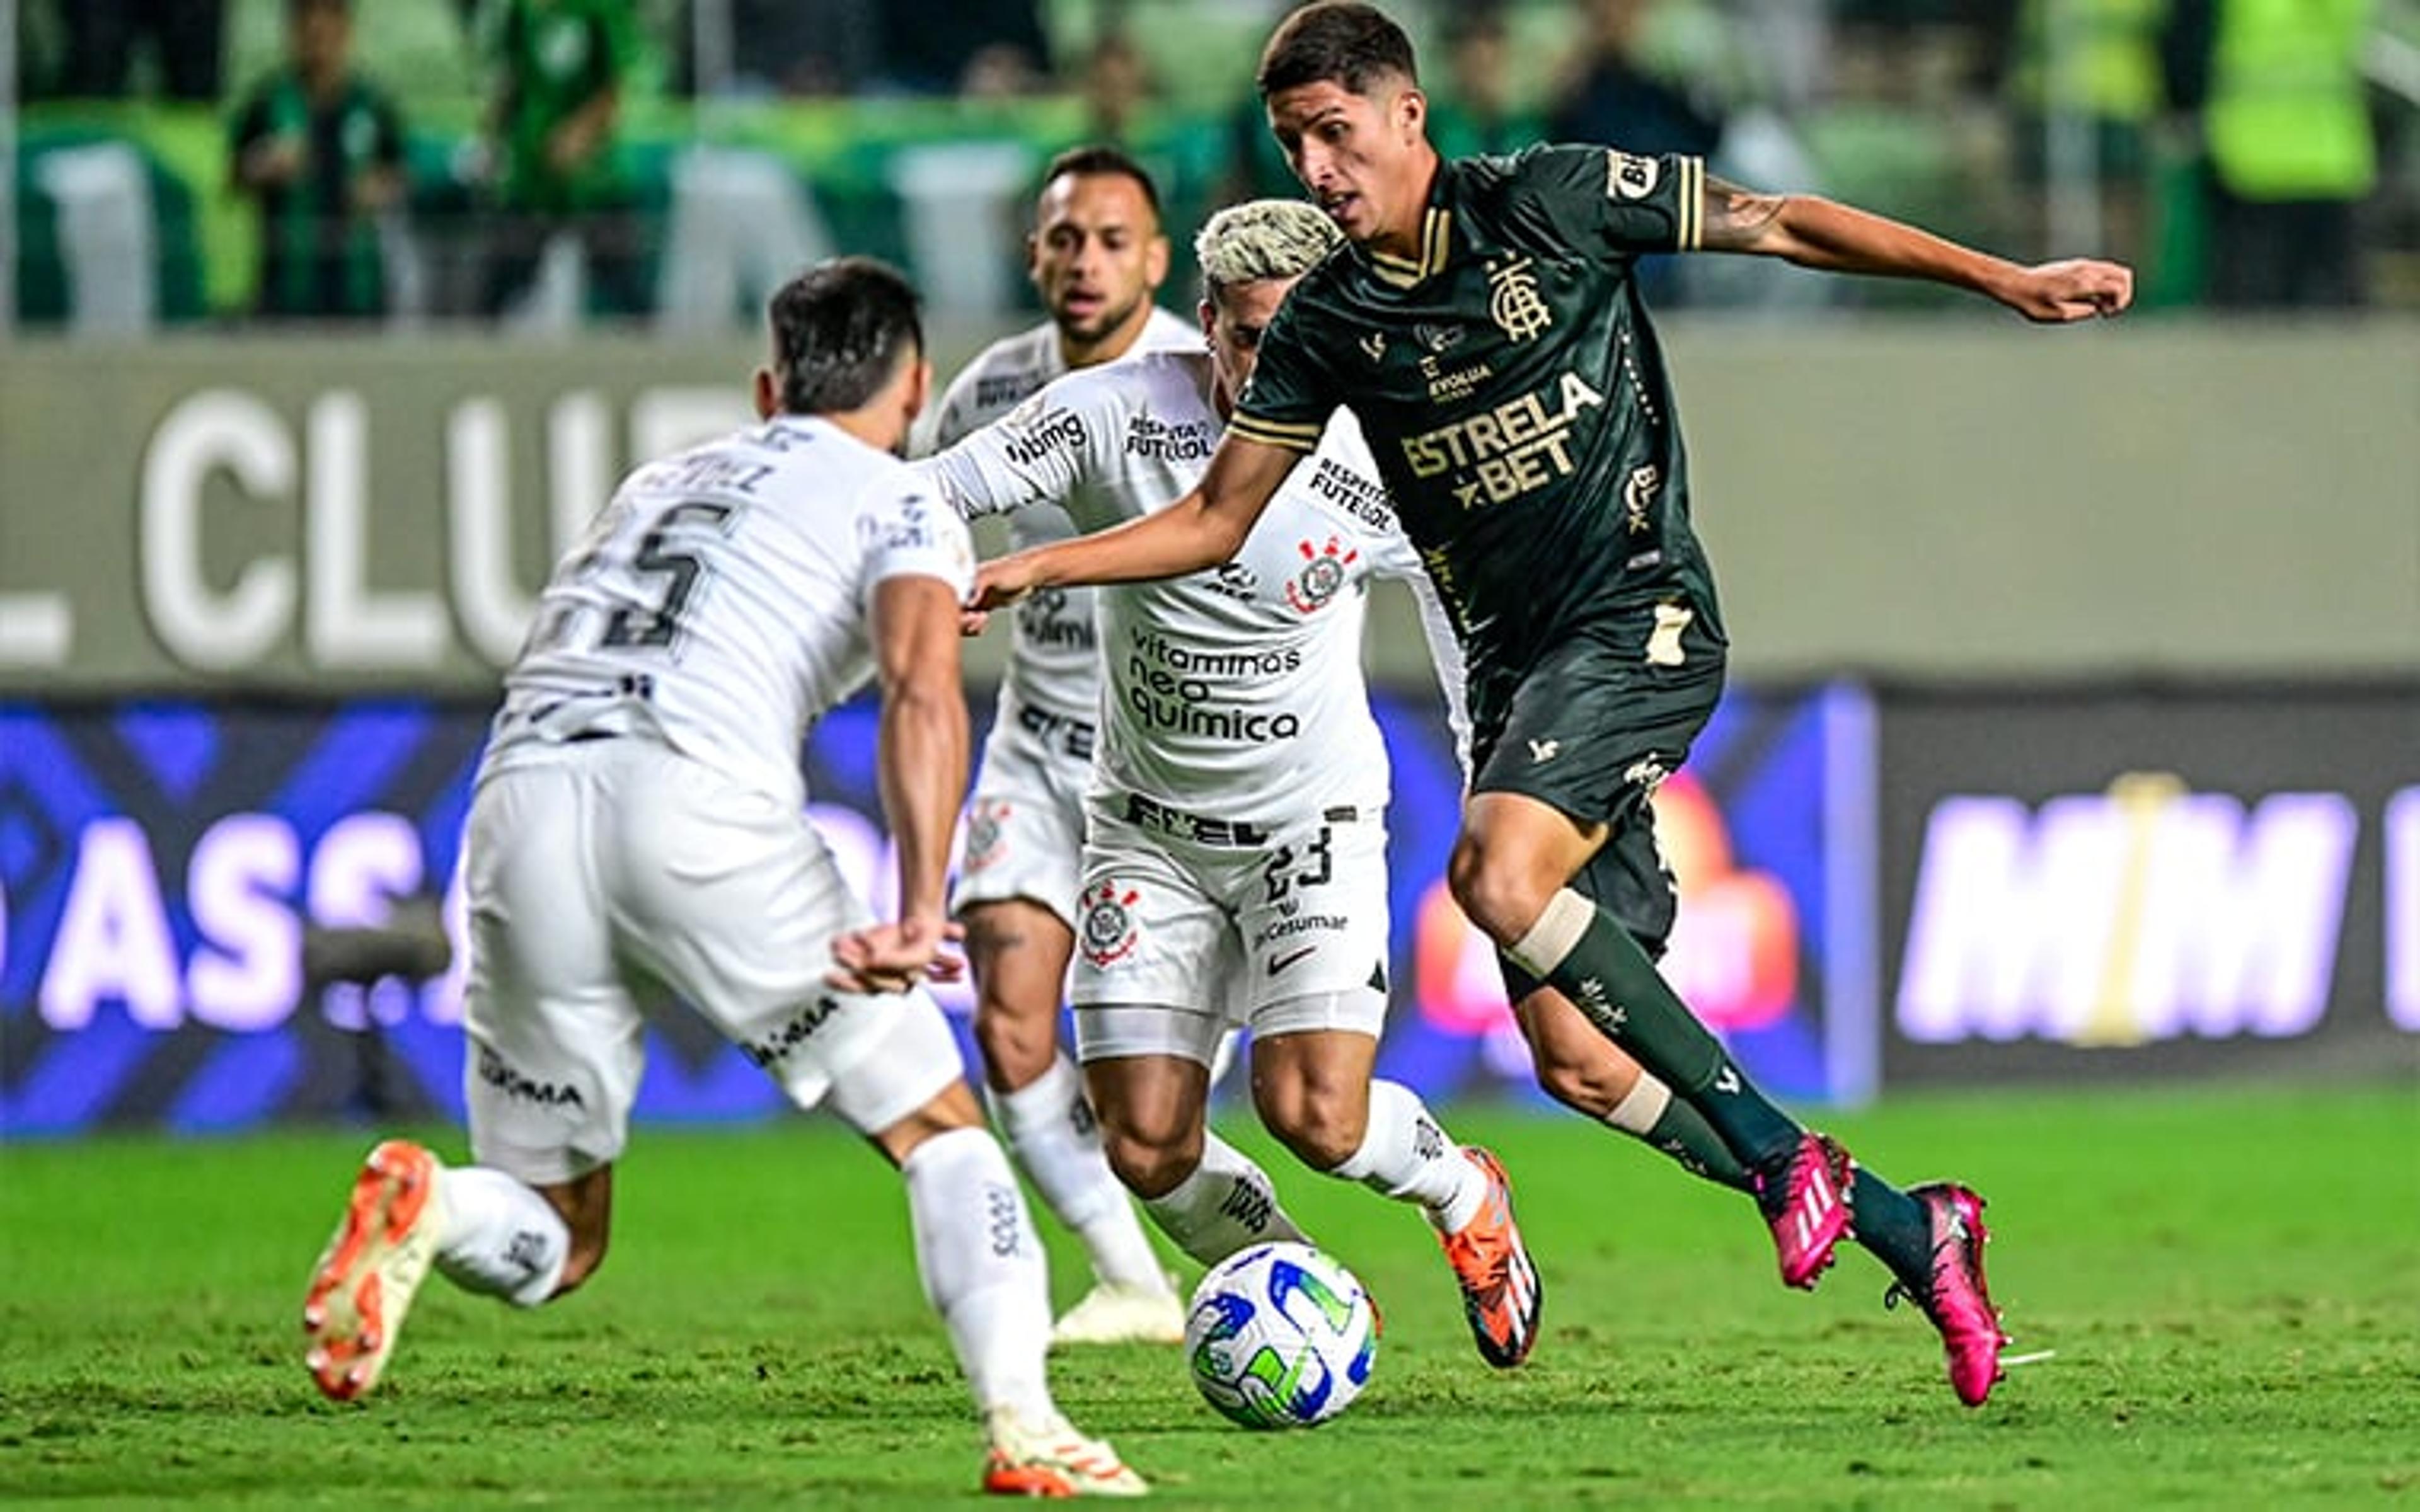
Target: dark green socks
(1892,1225)
(1602,971)
(1651,1115)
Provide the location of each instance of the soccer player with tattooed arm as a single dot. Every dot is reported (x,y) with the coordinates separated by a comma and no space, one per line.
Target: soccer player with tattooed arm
(1235,840)
(1484,326)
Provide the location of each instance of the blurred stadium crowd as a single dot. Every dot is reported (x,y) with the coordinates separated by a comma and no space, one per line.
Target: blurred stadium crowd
(547,162)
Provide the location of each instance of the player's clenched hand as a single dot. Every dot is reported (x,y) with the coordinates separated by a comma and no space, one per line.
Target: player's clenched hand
(1001,582)
(998,583)
(2077,289)
(891,958)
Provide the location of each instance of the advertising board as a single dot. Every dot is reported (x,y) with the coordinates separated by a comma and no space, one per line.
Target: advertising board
(162,862)
(2130,881)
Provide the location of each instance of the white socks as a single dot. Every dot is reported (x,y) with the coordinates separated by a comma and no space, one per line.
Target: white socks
(982,1267)
(500,1239)
(1226,1205)
(980,1263)
(1405,1155)
(1052,1135)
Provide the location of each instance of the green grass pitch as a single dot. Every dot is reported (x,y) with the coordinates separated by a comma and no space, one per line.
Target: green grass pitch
(2230,1278)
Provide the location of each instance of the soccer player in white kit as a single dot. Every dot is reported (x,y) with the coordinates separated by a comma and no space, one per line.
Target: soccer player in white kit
(1236,862)
(1097,257)
(638,832)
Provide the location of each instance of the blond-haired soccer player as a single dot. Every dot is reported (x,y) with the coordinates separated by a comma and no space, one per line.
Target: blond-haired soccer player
(1234,860)
(1485,328)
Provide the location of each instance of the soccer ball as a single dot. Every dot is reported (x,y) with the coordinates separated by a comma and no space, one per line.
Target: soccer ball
(1280,1336)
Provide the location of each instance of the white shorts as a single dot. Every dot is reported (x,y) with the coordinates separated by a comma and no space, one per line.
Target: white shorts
(613,872)
(1025,824)
(1180,940)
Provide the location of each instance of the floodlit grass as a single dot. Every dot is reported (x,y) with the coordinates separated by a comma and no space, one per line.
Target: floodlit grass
(2230,1278)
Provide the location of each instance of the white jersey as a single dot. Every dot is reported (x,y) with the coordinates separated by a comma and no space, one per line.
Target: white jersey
(1235,695)
(1054,661)
(719,602)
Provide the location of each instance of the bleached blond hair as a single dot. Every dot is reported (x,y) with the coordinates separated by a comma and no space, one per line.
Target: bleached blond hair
(1263,238)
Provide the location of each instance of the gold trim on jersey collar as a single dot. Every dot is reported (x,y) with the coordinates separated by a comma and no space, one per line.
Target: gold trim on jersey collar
(1436,238)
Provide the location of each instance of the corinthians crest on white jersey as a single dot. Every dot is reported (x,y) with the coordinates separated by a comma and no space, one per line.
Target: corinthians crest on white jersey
(1235,690)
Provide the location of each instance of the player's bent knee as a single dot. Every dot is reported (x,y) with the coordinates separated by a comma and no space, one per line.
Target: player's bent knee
(1496,891)
(1149,1169)
(1017,1046)
(1322,1131)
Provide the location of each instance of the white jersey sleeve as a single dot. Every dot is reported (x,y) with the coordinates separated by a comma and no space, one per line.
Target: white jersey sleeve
(1015,368)
(720,601)
(909,530)
(1035,454)
(1054,660)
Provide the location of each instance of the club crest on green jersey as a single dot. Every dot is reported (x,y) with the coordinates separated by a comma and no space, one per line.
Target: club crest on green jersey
(1513,302)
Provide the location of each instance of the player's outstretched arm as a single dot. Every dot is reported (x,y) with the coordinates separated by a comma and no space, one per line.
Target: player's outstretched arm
(1203,528)
(921,761)
(1821,233)
(1021,459)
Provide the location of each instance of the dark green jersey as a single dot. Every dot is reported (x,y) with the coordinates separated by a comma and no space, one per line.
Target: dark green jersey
(1512,391)
(319,254)
(556,56)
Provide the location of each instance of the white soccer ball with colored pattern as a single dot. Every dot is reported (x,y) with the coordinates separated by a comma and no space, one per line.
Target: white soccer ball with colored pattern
(1280,1335)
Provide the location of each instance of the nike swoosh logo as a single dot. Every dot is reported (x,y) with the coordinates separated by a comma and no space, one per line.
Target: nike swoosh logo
(1278,963)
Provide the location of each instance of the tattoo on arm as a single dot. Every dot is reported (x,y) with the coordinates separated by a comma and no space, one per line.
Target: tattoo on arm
(1736,219)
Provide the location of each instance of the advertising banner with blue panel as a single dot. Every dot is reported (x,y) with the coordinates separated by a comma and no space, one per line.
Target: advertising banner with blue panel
(1769,829)
(163,866)
(158,865)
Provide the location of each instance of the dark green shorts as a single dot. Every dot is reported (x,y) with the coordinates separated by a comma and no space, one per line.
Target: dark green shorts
(1590,730)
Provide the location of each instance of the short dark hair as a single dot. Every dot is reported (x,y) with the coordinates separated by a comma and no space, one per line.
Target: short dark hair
(1336,41)
(840,332)
(1100,158)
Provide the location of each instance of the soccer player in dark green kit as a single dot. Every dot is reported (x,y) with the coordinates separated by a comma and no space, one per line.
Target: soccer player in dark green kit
(1484,328)
(561,73)
(321,149)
